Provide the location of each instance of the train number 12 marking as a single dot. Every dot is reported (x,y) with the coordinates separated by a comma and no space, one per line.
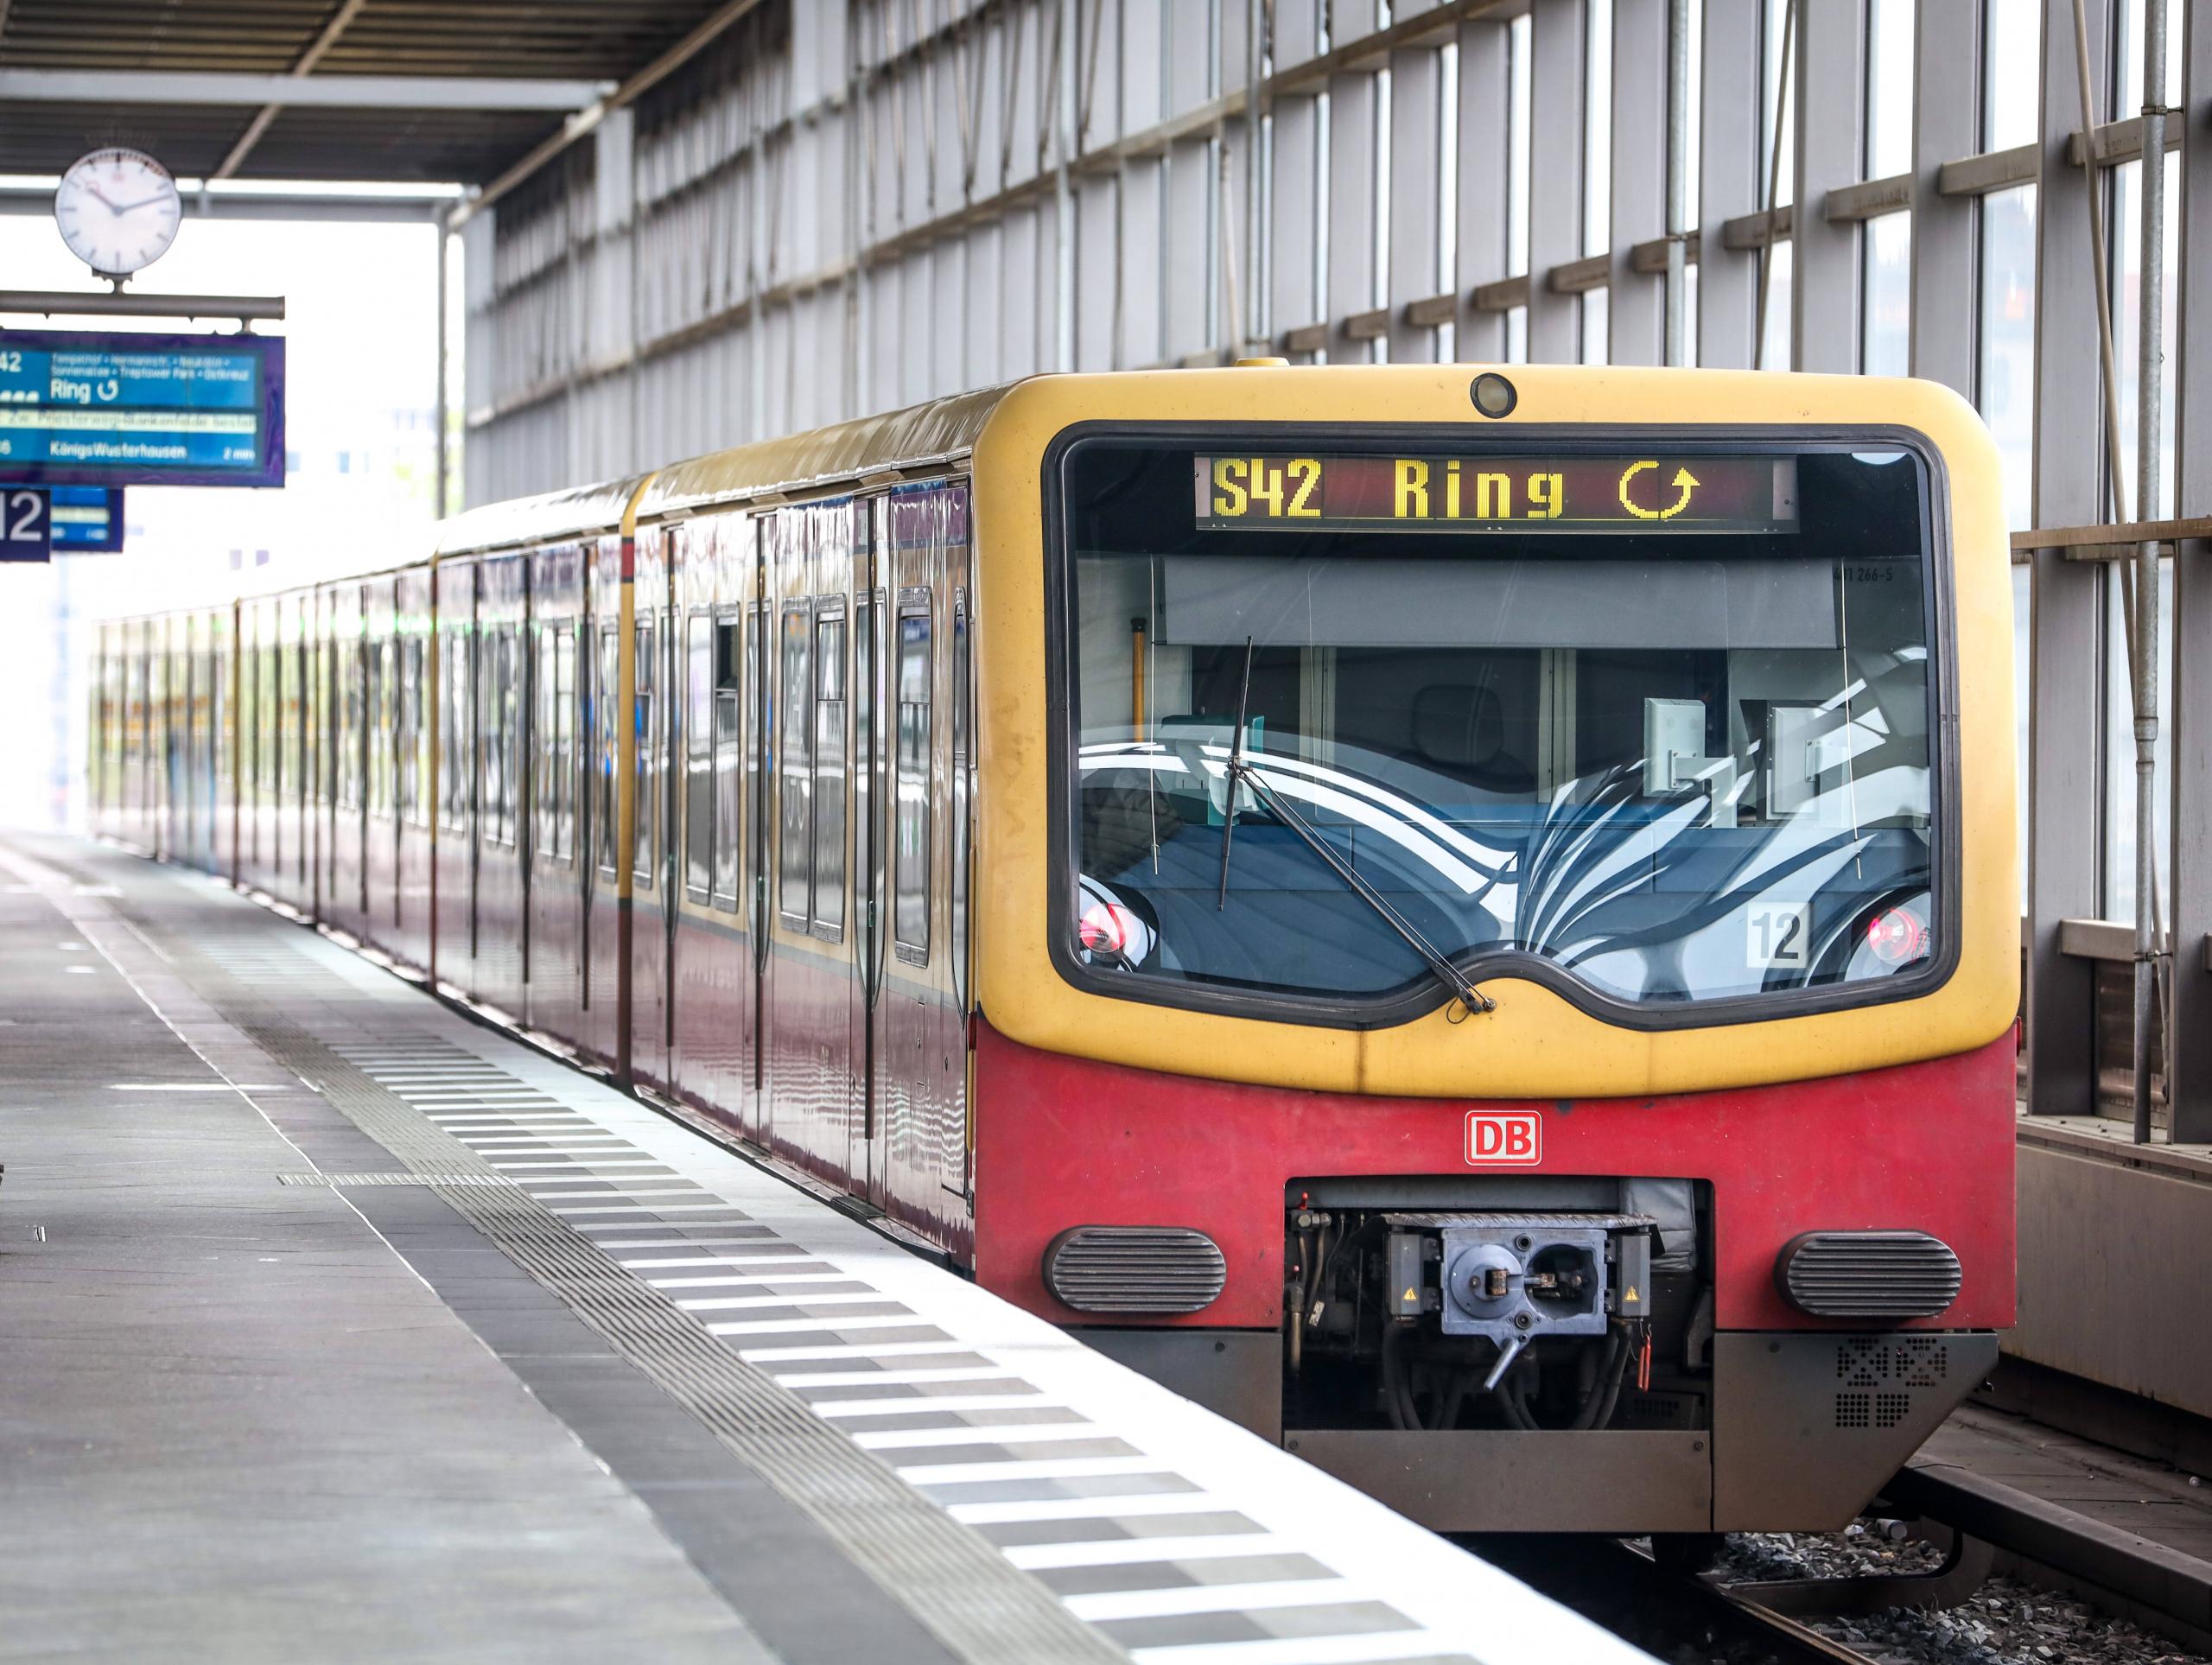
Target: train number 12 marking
(1504,1138)
(1777,937)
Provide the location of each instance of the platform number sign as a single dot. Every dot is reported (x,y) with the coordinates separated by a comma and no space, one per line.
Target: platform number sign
(1778,937)
(26,524)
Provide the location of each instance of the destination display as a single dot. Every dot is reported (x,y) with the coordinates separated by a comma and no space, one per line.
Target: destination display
(94,409)
(1644,492)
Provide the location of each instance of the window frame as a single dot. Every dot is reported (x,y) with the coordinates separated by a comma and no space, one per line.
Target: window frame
(1423,995)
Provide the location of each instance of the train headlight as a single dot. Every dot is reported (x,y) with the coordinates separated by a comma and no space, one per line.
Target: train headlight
(1493,395)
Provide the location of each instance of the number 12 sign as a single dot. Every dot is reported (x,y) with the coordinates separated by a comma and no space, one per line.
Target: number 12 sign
(26,524)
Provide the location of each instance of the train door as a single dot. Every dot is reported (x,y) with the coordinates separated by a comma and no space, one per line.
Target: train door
(414,789)
(556,880)
(874,617)
(502,920)
(920,1089)
(713,1033)
(455,943)
(813,1083)
(652,911)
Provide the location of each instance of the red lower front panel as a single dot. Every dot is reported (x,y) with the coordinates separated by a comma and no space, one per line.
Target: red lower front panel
(1065,1141)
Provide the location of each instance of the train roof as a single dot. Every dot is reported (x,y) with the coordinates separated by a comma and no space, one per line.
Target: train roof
(867,449)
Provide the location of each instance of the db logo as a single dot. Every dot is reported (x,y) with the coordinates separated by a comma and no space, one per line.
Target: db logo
(1509,1138)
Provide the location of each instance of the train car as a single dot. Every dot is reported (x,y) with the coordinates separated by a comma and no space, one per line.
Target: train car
(1464,918)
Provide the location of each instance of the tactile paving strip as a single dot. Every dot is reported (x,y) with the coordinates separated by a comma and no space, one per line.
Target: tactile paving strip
(948,1578)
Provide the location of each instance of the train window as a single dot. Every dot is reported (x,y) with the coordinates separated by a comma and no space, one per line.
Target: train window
(266,726)
(502,700)
(607,750)
(699,757)
(646,810)
(729,771)
(556,714)
(453,727)
(353,784)
(413,732)
(910,844)
(829,762)
(795,787)
(1668,760)
(377,732)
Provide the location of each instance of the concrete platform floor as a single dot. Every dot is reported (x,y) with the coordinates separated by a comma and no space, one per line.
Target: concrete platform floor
(234,1425)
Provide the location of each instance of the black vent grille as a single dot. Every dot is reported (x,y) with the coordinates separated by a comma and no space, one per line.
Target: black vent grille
(1135,1269)
(1868,1274)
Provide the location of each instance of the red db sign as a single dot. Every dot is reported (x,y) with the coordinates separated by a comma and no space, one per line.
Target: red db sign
(1505,1138)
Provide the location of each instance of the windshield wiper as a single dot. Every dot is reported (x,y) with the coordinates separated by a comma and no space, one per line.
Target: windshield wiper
(1240,774)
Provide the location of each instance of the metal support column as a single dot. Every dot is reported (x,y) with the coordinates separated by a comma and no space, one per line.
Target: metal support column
(2149,379)
(1830,102)
(2064,645)
(1636,308)
(1946,123)
(1555,100)
(1729,183)
(1485,95)
(442,498)
(1416,122)
(2189,872)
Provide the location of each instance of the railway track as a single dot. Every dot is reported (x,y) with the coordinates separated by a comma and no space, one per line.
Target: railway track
(1679,1617)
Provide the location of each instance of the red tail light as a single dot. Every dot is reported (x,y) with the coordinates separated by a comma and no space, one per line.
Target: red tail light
(1896,936)
(1106,928)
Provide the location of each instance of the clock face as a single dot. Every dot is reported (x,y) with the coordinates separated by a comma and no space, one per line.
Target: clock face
(117,210)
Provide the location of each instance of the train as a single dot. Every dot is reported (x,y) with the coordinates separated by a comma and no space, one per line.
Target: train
(1464,917)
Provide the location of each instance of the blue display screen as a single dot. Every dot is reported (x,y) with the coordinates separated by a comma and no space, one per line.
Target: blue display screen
(141,410)
(87,519)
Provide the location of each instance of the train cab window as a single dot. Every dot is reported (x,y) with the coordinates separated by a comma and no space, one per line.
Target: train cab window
(730,772)
(795,786)
(1656,733)
(910,837)
(829,765)
(699,757)
(647,808)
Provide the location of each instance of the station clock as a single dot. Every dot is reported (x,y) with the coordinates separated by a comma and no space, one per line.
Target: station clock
(118,210)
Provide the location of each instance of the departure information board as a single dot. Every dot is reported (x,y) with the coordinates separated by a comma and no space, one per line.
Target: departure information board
(86,410)
(1644,493)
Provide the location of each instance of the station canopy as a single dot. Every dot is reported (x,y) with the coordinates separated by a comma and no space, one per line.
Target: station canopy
(321,90)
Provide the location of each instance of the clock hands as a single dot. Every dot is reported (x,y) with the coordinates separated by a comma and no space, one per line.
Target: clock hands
(127,207)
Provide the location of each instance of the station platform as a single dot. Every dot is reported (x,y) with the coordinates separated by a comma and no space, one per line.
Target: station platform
(339,1326)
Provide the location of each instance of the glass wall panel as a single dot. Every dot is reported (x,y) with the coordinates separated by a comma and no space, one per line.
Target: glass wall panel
(1597,129)
(2006,353)
(1885,316)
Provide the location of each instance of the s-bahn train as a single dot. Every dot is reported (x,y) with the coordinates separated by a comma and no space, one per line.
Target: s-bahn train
(1468,921)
